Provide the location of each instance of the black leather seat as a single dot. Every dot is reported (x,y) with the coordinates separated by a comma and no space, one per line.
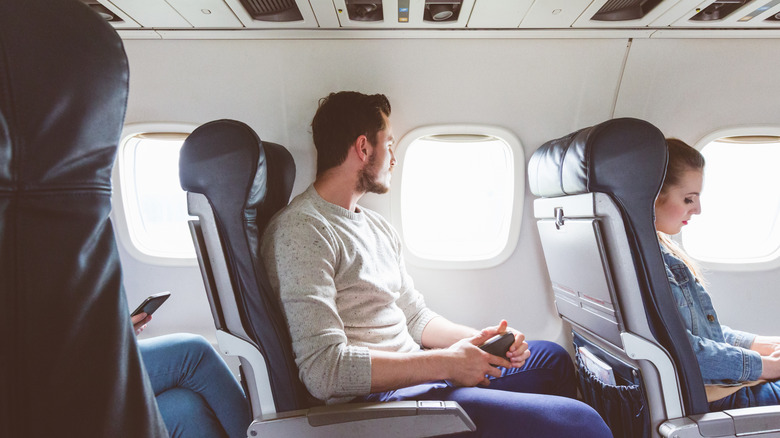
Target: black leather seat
(596,220)
(69,359)
(235,183)
(246,182)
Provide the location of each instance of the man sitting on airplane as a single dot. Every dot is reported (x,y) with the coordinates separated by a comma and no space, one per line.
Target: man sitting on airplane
(362,332)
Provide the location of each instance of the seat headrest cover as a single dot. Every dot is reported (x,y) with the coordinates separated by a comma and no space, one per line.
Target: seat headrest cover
(599,159)
(64,96)
(222,155)
(69,353)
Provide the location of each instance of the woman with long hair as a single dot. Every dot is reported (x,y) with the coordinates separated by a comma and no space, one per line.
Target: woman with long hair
(739,368)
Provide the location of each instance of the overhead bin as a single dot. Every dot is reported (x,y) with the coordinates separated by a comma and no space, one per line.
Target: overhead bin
(554,13)
(173,14)
(151,13)
(489,14)
(205,13)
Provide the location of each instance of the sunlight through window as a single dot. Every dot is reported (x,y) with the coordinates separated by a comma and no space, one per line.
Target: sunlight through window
(740,215)
(155,206)
(457,197)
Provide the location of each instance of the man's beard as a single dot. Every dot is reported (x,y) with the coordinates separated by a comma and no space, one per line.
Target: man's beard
(367,180)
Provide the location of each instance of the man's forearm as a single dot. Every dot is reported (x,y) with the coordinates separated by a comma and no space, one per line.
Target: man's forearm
(390,370)
(441,333)
(463,364)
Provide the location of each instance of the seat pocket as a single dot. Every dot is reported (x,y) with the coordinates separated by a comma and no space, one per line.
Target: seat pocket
(622,405)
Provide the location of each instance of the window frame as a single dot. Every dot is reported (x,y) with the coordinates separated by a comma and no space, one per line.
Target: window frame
(518,198)
(769,262)
(121,182)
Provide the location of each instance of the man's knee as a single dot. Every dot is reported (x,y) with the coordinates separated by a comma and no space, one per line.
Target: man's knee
(582,420)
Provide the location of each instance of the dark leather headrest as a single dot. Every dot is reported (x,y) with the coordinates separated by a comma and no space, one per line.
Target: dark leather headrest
(222,155)
(64,96)
(601,158)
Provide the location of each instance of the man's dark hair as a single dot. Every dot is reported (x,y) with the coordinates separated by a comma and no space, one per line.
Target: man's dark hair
(343,117)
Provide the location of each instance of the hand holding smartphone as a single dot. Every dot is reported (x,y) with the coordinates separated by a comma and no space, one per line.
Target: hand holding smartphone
(498,345)
(151,303)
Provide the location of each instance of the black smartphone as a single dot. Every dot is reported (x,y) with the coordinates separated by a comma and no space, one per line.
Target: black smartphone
(498,345)
(151,303)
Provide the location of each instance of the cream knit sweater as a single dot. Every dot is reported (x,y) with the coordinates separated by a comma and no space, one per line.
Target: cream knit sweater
(344,290)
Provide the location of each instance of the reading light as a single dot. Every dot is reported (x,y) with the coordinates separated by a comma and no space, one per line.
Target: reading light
(363,10)
(440,12)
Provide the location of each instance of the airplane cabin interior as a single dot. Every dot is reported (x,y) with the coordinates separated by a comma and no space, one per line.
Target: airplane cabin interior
(146,144)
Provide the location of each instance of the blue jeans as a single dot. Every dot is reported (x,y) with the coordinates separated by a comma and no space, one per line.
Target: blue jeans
(536,400)
(765,394)
(197,394)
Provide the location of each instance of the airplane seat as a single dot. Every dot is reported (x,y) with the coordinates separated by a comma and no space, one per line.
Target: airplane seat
(70,361)
(595,216)
(222,161)
(235,183)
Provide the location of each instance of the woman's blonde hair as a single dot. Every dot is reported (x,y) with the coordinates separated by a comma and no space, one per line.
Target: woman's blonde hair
(682,158)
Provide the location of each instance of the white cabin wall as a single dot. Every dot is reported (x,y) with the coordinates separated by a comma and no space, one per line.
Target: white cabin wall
(690,88)
(538,88)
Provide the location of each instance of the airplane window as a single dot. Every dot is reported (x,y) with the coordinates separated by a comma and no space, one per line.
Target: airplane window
(460,196)
(740,219)
(153,213)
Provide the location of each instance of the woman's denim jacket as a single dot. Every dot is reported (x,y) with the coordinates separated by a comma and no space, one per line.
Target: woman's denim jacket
(724,354)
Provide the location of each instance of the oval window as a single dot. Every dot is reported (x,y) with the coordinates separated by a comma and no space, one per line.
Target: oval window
(153,215)
(458,198)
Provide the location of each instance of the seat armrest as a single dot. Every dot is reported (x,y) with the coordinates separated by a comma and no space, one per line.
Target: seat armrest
(389,419)
(261,393)
(748,421)
(334,414)
(758,421)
